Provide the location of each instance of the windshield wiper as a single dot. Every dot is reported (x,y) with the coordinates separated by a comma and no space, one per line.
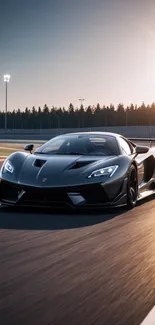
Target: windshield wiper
(39,153)
(71,153)
(60,153)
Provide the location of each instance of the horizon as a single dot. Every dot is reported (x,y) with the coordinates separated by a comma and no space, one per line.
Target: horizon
(92,107)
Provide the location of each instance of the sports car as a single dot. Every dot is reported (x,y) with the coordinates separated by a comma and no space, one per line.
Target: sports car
(86,169)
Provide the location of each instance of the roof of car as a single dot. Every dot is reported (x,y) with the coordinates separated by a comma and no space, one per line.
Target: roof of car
(95,132)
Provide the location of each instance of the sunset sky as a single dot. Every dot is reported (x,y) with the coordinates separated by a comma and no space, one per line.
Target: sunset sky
(59,50)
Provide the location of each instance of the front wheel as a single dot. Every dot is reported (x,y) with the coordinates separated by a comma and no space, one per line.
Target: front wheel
(132,188)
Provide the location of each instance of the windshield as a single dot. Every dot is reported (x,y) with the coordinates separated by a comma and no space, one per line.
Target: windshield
(80,145)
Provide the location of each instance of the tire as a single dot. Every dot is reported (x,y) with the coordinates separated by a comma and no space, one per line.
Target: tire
(132,188)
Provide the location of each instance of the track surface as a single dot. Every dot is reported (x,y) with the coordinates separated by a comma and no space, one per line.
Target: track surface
(64,268)
(77,269)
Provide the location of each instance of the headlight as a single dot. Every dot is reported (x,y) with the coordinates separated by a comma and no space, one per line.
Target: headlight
(8,167)
(106,171)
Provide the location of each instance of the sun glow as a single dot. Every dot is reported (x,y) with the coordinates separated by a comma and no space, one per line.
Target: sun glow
(151,69)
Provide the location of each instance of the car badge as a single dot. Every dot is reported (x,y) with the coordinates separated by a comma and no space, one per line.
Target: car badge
(44,180)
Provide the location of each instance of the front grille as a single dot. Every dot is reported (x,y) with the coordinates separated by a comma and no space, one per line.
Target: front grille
(8,192)
(92,194)
(32,196)
(44,195)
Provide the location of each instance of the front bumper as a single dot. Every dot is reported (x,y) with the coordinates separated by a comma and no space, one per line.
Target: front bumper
(75,196)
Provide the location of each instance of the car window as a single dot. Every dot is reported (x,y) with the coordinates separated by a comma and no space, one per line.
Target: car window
(81,144)
(125,146)
(53,145)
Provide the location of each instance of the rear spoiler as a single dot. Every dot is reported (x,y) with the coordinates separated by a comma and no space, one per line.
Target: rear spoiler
(148,141)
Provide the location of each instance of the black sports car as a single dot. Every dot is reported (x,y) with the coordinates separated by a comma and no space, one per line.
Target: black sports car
(79,170)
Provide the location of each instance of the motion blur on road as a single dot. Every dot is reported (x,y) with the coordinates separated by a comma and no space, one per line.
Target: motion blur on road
(65,267)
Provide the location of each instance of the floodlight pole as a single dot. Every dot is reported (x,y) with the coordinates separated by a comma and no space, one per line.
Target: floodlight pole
(6,103)
(126,117)
(6,80)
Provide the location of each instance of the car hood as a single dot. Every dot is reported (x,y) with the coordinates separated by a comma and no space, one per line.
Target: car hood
(56,170)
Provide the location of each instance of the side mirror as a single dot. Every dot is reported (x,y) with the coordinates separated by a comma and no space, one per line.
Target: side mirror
(29,147)
(141,150)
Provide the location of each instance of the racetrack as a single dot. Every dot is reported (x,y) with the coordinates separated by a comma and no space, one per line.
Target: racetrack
(77,268)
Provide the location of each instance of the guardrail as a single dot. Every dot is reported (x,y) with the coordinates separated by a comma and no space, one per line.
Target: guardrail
(138,132)
(127,131)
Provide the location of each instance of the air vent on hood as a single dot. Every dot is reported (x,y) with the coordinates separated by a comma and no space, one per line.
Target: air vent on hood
(39,162)
(80,164)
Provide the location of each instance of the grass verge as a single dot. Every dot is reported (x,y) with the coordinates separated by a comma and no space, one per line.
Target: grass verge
(6,151)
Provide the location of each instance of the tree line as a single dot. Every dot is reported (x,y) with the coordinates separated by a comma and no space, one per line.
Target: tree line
(91,116)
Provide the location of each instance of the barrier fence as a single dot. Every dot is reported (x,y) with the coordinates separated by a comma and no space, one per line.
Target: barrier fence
(45,134)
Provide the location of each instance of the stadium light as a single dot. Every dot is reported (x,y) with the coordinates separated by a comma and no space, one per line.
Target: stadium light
(81,100)
(6,80)
(7,77)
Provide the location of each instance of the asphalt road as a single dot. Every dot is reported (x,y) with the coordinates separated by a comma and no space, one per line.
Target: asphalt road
(62,268)
(82,268)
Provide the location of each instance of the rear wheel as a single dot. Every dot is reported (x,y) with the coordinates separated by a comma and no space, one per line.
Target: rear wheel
(132,188)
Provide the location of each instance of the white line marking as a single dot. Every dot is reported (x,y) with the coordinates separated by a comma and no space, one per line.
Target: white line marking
(150,319)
